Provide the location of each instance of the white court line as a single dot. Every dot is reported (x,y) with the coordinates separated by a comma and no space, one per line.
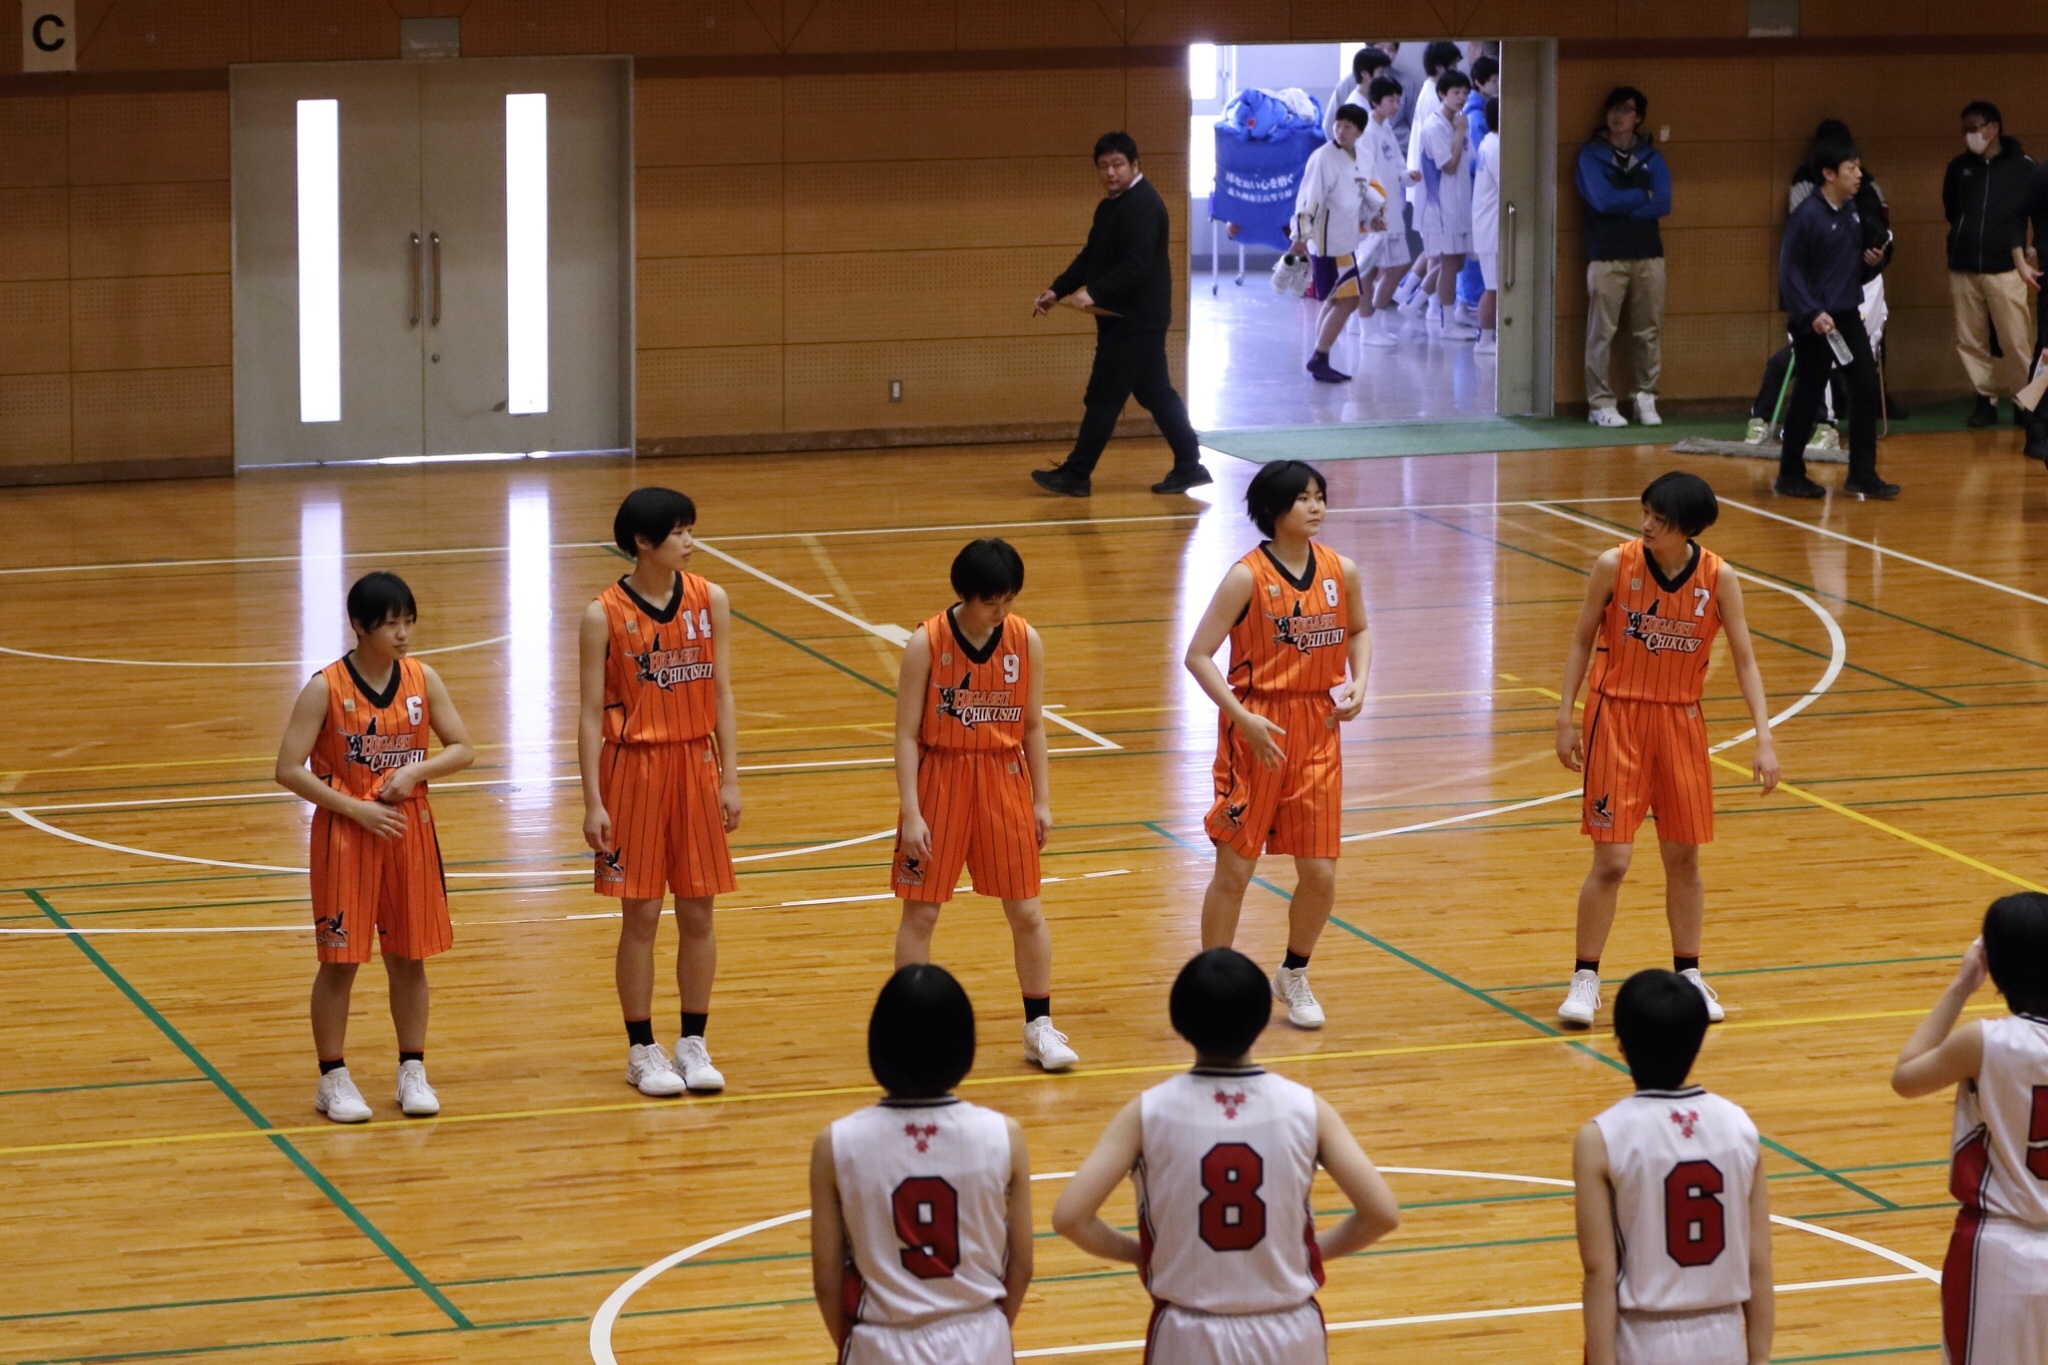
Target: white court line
(226,663)
(1873,546)
(601,1322)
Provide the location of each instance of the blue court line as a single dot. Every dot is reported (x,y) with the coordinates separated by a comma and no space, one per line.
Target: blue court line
(255,1116)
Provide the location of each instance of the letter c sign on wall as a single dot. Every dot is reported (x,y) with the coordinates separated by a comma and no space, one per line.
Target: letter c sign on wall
(49,35)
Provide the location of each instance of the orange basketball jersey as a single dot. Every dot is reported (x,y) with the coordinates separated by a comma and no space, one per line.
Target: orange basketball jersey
(975,700)
(1658,631)
(1291,636)
(658,686)
(368,734)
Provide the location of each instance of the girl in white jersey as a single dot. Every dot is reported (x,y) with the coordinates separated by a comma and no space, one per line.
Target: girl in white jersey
(1223,1158)
(921,1204)
(1994,1284)
(1674,1225)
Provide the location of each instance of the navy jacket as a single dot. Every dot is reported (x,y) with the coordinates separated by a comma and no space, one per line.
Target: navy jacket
(1127,263)
(1985,202)
(1820,262)
(1625,193)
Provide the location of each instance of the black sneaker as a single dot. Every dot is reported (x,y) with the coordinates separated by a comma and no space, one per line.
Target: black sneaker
(1062,480)
(2021,418)
(2037,442)
(1182,478)
(1798,488)
(1985,414)
(1873,488)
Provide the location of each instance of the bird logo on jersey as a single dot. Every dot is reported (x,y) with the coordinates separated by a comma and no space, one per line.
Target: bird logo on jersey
(1231,1100)
(667,667)
(329,933)
(1686,1119)
(609,868)
(1306,631)
(1660,633)
(972,707)
(382,753)
(1602,814)
(921,1134)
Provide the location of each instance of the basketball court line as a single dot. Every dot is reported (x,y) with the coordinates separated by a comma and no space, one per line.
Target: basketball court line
(1885,550)
(230,663)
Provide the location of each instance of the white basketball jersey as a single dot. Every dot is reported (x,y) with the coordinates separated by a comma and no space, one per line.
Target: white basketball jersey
(924,1189)
(2000,1162)
(1223,1192)
(1682,1164)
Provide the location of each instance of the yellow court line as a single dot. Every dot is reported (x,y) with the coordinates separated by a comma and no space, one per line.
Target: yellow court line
(822,1092)
(1916,840)
(1371,697)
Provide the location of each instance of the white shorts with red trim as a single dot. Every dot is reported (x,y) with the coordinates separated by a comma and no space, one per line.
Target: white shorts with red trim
(981,1337)
(1994,1292)
(1183,1336)
(1713,1336)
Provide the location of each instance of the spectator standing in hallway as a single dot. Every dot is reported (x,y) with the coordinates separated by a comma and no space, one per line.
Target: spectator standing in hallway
(1385,255)
(1416,290)
(1984,196)
(1486,230)
(1331,210)
(1485,87)
(1626,188)
(1124,275)
(1446,216)
(1367,65)
(1820,286)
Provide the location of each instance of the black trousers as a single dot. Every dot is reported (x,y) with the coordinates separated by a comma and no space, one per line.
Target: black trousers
(1131,364)
(1814,362)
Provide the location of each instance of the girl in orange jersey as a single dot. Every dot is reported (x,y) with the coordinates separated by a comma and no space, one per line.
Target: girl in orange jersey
(971,777)
(1295,619)
(658,747)
(362,721)
(1652,608)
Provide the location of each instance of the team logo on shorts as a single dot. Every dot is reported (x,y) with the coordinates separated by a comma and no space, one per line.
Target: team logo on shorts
(382,753)
(979,706)
(1661,633)
(1304,631)
(667,667)
(328,932)
(1602,814)
(608,867)
(910,871)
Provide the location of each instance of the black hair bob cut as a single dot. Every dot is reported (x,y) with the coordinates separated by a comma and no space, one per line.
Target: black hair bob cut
(1660,1019)
(921,1034)
(378,597)
(987,569)
(1275,487)
(1220,1003)
(1687,501)
(652,515)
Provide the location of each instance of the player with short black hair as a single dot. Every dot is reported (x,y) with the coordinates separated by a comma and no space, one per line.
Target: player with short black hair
(1295,618)
(657,744)
(362,724)
(1994,1284)
(1674,1222)
(921,1243)
(1646,629)
(1224,1157)
(971,777)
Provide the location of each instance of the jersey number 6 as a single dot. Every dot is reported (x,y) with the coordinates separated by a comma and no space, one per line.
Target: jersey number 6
(1695,1224)
(1233,1217)
(928,1224)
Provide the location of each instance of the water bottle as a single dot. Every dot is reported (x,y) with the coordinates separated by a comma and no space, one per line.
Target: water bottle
(1843,355)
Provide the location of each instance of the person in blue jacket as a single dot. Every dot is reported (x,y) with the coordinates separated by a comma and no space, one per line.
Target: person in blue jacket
(1626,188)
(1485,85)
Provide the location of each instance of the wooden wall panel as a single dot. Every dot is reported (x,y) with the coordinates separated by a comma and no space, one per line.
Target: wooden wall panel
(1720,270)
(711,301)
(1557,18)
(1010,380)
(711,210)
(165,35)
(1920,351)
(891,118)
(1344,20)
(152,414)
(512,28)
(176,229)
(869,25)
(149,138)
(716,121)
(1693,19)
(1156,113)
(35,419)
(1160,23)
(31,141)
(1041,23)
(34,338)
(322,31)
(689,27)
(1827,18)
(913,295)
(710,391)
(153,322)
(912,206)
(33,234)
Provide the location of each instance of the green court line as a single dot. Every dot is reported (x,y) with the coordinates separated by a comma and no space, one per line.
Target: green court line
(99,1085)
(795,643)
(1859,1355)
(255,1116)
(181,1351)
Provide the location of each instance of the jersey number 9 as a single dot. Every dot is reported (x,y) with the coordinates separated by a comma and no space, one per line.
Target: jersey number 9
(1695,1223)
(927,1213)
(1233,1217)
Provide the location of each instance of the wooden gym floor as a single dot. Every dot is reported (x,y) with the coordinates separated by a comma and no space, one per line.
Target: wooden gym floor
(166,1190)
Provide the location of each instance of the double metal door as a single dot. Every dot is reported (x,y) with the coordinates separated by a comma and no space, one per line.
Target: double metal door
(431,258)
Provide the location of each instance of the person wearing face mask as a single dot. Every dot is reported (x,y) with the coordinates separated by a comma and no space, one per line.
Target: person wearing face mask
(1984,196)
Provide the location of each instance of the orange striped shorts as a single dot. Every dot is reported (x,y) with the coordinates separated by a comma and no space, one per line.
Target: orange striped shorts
(395,886)
(1295,809)
(667,832)
(978,807)
(1646,758)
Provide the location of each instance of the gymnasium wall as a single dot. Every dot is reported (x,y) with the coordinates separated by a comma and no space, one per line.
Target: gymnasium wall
(836,193)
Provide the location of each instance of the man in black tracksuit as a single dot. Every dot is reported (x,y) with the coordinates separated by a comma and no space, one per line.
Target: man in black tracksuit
(1820,286)
(1125,276)
(1984,195)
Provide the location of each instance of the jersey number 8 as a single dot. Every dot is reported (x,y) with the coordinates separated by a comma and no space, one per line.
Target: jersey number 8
(927,1213)
(1233,1217)
(1695,1223)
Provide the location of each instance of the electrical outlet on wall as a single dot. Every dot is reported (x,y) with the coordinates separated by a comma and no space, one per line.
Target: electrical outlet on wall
(895,391)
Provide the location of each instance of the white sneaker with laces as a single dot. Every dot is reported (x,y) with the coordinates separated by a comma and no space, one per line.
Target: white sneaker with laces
(1458,331)
(339,1099)
(693,1059)
(1582,1002)
(1609,416)
(1046,1046)
(1825,437)
(1646,410)
(1759,432)
(1468,314)
(1715,1014)
(1290,988)
(1488,343)
(416,1099)
(649,1071)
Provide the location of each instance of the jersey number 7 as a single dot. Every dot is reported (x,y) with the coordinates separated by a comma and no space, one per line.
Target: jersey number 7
(1695,1223)
(927,1213)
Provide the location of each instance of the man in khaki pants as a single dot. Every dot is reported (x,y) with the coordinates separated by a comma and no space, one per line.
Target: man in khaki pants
(1626,188)
(1984,194)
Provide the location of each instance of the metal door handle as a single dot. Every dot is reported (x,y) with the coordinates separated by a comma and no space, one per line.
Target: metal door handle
(1507,275)
(435,239)
(415,280)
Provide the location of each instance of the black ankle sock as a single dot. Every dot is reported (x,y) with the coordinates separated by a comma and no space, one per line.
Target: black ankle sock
(1587,965)
(404,1057)
(693,1024)
(327,1066)
(640,1032)
(1037,1007)
(1684,964)
(1294,961)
